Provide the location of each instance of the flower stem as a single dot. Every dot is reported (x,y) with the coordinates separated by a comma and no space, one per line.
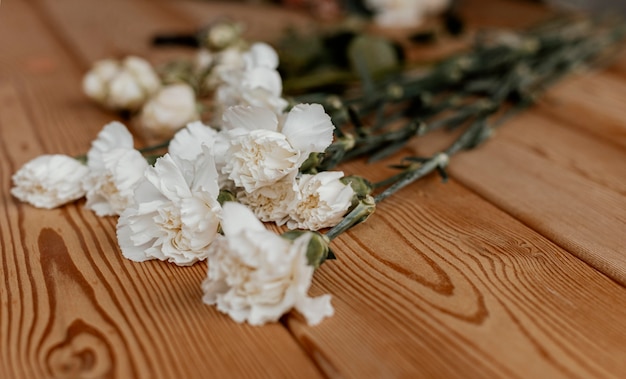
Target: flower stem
(359,214)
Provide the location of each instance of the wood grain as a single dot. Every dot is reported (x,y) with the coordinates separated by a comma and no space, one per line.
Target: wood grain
(583,216)
(585,154)
(71,305)
(456,280)
(441,284)
(592,102)
(78,309)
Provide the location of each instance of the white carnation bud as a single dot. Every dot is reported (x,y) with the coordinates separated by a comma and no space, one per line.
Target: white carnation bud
(142,72)
(223,35)
(124,92)
(122,85)
(95,82)
(171,108)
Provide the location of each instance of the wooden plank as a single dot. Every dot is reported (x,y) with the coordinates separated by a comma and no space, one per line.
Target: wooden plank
(558,195)
(592,102)
(585,154)
(138,21)
(71,306)
(439,283)
(454,289)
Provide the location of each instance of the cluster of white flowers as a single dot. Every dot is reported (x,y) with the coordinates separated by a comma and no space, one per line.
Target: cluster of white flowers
(405,13)
(132,85)
(121,85)
(259,154)
(172,211)
(255,81)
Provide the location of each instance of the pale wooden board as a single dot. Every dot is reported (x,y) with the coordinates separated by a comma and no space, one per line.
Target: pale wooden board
(589,156)
(439,283)
(455,287)
(593,102)
(71,305)
(568,190)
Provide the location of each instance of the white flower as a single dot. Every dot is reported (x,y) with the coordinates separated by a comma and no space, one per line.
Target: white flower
(404,13)
(115,171)
(217,66)
(124,85)
(261,54)
(96,80)
(272,203)
(189,142)
(322,202)
(49,181)
(256,276)
(176,215)
(169,109)
(260,158)
(257,83)
(224,34)
(264,149)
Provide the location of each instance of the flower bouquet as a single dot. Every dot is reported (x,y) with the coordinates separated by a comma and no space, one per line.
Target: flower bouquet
(237,152)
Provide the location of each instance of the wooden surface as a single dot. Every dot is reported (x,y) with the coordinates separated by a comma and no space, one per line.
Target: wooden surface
(515,268)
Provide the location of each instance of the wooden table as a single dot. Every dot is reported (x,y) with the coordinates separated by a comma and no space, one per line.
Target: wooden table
(515,268)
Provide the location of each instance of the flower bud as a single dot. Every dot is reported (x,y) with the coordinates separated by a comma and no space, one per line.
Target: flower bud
(96,80)
(318,249)
(169,110)
(223,35)
(347,141)
(143,73)
(124,92)
(361,187)
(124,85)
(225,196)
(309,166)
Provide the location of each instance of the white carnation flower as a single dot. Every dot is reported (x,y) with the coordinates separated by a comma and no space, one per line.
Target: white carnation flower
(260,158)
(176,215)
(256,83)
(322,202)
(121,85)
(96,80)
(188,143)
(261,54)
(170,109)
(265,149)
(404,13)
(272,203)
(256,276)
(115,171)
(219,66)
(49,181)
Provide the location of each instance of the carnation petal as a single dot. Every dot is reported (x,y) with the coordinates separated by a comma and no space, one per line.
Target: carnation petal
(315,309)
(237,217)
(187,143)
(308,128)
(264,78)
(206,177)
(167,177)
(250,118)
(113,135)
(125,235)
(261,55)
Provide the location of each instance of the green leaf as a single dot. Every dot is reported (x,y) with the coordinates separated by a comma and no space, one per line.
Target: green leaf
(374,54)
